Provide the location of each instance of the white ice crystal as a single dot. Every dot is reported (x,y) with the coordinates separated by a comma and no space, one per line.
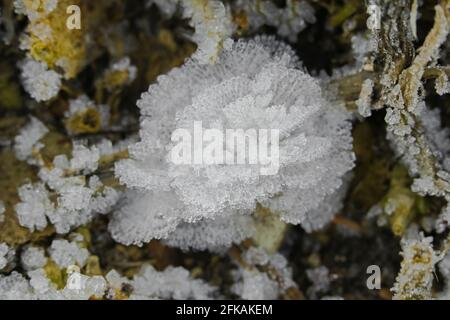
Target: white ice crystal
(66,253)
(289,20)
(255,84)
(33,258)
(41,83)
(3,255)
(253,284)
(211,20)
(35,205)
(76,198)
(172,283)
(27,141)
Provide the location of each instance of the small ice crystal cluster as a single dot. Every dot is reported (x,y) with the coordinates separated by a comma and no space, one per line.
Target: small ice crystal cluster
(253,284)
(27,141)
(78,197)
(211,20)
(4,249)
(172,283)
(41,83)
(289,20)
(254,84)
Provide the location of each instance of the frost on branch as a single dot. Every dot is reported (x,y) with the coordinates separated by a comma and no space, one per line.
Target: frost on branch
(415,279)
(255,84)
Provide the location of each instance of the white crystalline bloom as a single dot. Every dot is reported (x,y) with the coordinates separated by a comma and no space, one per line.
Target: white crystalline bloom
(35,205)
(254,85)
(255,285)
(41,83)
(172,283)
(15,287)
(66,253)
(27,140)
(4,249)
(33,258)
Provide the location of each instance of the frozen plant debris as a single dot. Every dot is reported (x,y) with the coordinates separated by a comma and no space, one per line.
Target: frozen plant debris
(415,279)
(42,84)
(289,20)
(4,249)
(255,84)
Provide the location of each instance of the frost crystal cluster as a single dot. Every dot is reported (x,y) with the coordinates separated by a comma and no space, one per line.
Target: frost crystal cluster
(41,83)
(255,84)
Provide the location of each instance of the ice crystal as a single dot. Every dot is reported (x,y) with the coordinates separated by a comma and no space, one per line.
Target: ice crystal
(211,20)
(3,255)
(66,253)
(289,20)
(35,205)
(42,84)
(172,283)
(254,284)
(27,141)
(254,84)
(33,258)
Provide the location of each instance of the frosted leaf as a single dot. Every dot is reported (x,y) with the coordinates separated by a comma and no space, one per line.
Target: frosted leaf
(66,253)
(255,85)
(33,258)
(33,207)
(41,83)
(27,141)
(172,283)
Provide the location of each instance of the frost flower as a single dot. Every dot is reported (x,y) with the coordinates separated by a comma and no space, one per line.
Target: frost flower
(254,85)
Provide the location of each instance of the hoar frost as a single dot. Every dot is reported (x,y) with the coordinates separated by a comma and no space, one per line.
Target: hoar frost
(254,84)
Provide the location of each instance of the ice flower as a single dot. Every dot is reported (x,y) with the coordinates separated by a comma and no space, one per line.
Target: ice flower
(254,85)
